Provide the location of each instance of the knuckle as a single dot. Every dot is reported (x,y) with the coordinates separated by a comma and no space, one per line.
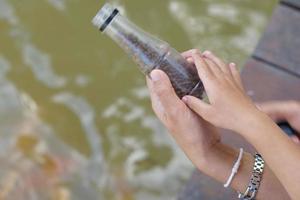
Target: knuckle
(218,83)
(172,117)
(212,113)
(173,114)
(209,77)
(161,91)
(208,115)
(195,51)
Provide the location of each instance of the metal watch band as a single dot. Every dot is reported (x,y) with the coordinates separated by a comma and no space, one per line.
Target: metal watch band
(255,180)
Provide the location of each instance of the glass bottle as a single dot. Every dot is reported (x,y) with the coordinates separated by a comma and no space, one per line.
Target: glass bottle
(149,52)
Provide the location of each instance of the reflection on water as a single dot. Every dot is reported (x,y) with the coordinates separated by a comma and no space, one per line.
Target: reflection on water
(75,116)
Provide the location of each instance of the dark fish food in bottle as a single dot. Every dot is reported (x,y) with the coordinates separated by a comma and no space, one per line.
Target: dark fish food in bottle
(150,52)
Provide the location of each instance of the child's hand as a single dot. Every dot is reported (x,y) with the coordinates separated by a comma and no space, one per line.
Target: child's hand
(229,107)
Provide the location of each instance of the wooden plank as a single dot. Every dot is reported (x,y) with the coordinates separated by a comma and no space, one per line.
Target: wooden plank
(293,3)
(263,83)
(281,42)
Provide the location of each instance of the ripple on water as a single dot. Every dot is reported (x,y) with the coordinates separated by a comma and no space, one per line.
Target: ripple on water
(36,59)
(74,174)
(191,24)
(250,33)
(7,13)
(10,106)
(82,80)
(86,114)
(35,164)
(4,66)
(204,28)
(224,11)
(40,64)
(169,176)
(58,4)
(141,92)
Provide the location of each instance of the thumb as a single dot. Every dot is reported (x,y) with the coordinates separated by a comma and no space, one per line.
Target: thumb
(162,92)
(197,105)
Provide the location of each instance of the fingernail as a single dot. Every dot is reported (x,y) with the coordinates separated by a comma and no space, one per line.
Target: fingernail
(296,139)
(232,64)
(185,99)
(190,60)
(207,53)
(155,76)
(196,51)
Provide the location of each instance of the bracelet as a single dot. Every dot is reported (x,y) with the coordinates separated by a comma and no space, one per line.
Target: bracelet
(255,180)
(235,168)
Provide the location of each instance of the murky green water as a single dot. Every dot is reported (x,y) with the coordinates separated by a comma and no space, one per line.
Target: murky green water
(75,116)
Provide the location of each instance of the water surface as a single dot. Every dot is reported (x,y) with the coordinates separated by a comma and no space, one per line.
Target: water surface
(75,116)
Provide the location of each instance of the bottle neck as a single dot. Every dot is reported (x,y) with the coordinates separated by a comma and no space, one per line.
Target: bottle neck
(145,49)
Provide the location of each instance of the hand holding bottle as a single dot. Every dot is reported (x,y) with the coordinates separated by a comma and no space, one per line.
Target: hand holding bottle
(196,137)
(229,106)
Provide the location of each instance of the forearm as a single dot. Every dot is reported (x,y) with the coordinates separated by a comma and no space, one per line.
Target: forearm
(218,165)
(281,154)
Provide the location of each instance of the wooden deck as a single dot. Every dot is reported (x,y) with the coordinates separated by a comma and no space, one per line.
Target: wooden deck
(271,73)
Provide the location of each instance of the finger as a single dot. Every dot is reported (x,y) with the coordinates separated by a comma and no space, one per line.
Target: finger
(149,83)
(190,60)
(230,72)
(157,106)
(161,90)
(217,60)
(295,139)
(236,75)
(272,109)
(189,53)
(204,71)
(213,66)
(197,105)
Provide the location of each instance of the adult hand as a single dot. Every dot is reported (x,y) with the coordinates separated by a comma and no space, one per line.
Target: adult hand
(194,135)
(229,106)
(284,111)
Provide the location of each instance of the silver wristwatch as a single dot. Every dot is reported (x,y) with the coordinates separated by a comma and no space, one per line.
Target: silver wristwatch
(255,180)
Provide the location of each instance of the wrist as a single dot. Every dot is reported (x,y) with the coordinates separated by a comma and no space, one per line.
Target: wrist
(213,156)
(254,123)
(218,164)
